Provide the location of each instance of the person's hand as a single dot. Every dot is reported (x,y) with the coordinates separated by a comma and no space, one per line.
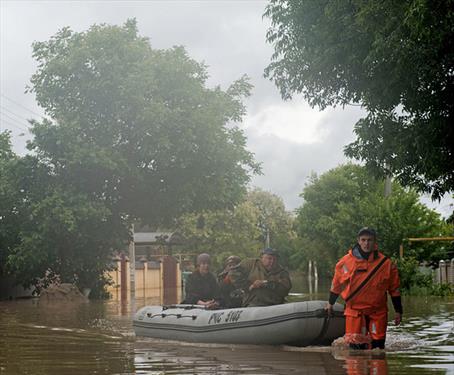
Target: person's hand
(397,318)
(212,305)
(329,309)
(257,284)
(205,303)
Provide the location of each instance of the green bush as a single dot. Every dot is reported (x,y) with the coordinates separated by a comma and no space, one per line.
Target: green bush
(414,282)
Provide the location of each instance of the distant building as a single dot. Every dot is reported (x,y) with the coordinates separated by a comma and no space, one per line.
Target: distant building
(149,267)
(156,244)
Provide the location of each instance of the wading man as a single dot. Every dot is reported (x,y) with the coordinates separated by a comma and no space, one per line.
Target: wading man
(363,278)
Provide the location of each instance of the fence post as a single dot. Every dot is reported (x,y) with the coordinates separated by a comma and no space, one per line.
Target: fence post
(144,279)
(451,272)
(309,276)
(442,266)
(124,277)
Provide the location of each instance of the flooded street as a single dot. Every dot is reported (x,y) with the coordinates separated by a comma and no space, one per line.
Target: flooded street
(38,337)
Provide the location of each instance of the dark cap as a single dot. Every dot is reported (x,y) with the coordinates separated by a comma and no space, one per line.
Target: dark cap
(203,258)
(232,259)
(269,251)
(367,231)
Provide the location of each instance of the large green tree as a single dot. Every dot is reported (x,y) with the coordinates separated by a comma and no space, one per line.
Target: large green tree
(131,132)
(341,201)
(394,58)
(138,127)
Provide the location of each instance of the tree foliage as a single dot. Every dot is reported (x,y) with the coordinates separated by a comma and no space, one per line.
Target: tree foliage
(46,231)
(394,58)
(240,231)
(341,201)
(9,218)
(132,133)
(272,215)
(137,127)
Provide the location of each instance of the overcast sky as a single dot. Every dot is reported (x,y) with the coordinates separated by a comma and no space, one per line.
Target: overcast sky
(289,138)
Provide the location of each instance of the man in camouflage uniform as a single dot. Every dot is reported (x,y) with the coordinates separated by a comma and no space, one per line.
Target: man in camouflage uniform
(229,297)
(263,280)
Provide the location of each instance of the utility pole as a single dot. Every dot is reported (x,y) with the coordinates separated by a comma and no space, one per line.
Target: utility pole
(388,185)
(132,263)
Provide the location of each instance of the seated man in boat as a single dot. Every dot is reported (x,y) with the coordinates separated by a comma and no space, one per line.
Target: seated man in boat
(263,280)
(230,297)
(201,287)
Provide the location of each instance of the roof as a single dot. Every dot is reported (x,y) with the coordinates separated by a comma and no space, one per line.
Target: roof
(156,237)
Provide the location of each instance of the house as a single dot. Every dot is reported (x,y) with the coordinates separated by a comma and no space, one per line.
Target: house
(157,272)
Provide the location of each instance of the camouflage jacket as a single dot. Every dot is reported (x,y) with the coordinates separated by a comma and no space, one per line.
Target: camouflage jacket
(273,293)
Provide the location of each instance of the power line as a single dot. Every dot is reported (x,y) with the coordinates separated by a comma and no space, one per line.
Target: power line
(12,124)
(15,120)
(20,105)
(14,113)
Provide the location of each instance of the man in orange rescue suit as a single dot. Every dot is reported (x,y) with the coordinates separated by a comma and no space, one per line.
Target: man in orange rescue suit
(363,278)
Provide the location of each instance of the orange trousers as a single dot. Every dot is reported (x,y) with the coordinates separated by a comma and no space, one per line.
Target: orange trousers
(363,327)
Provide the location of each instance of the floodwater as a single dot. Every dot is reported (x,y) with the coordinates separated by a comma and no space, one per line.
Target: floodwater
(96,337)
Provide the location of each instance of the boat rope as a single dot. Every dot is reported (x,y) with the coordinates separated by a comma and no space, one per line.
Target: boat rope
(183,306)
(163,315)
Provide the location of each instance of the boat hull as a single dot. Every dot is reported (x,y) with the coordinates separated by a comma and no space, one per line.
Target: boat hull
(297,323)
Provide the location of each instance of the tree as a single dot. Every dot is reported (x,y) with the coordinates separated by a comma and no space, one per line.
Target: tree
(273,219)
(137,127)
(222,233)
(17,177)
(393,58)
(66,236)
(132,133)
(240,231)
(275,222)
(346,198)
(8,199)
(46,231)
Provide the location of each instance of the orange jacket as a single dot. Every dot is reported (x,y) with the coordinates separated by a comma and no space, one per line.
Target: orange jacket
(351,270)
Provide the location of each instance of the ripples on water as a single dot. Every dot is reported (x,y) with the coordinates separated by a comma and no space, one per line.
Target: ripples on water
(97,338)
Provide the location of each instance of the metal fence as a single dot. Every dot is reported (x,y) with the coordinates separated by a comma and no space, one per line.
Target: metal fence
(444,274)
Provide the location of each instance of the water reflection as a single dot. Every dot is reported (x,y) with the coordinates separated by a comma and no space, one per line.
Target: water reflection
(359,363)
(97,337)
(232,359)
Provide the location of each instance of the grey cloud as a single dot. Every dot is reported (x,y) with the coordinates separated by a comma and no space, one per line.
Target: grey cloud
(287,165)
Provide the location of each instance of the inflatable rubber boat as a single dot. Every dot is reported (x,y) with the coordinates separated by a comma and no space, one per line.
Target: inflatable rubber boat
(297,323)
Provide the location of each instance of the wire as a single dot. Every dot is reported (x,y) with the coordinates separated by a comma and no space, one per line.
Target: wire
(10,123)
(20,105)
(14,113)
(15,121)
